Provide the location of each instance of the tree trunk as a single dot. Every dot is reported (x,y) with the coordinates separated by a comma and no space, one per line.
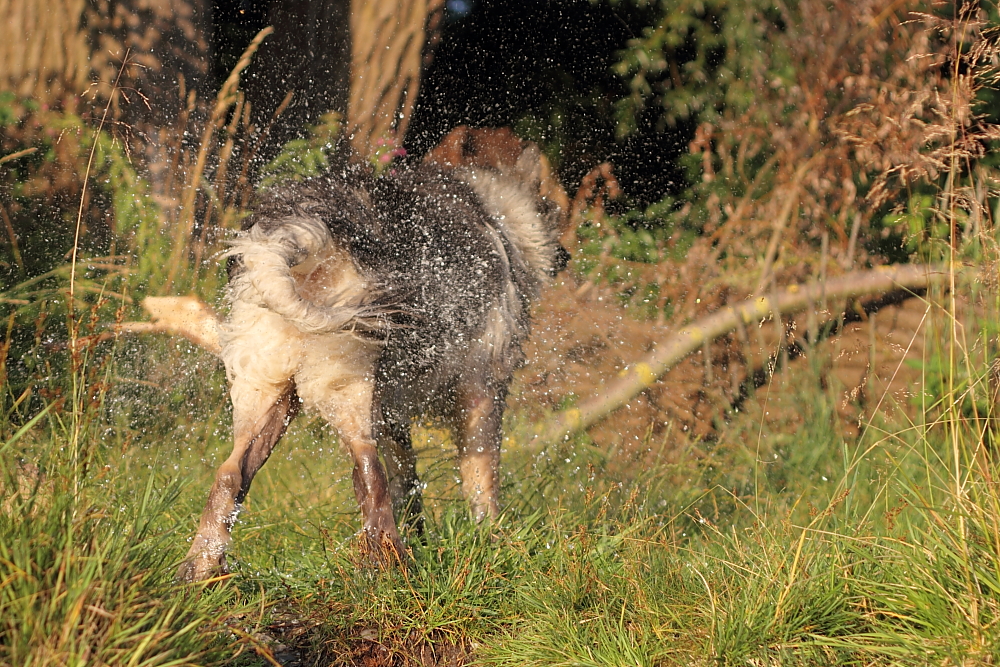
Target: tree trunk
(59,49)
(392,41)
(362,58)
(45,51)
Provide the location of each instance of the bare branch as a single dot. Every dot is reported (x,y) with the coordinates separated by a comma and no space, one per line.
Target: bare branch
(186,316)
(642,374)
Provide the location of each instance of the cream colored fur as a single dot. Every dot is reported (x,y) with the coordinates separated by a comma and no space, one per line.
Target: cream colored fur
(294,323)
(515,213)
(262,351)
(278,265)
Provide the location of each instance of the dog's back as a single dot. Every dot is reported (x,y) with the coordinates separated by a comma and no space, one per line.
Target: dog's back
(463,279)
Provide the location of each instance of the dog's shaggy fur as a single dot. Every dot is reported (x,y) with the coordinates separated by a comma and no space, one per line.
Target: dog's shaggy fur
(377,302)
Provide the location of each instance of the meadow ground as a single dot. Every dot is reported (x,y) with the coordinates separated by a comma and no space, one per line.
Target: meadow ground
(788,539)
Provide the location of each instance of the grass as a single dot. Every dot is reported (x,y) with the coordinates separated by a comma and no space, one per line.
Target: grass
(787,540)
(767,546)
(85,561)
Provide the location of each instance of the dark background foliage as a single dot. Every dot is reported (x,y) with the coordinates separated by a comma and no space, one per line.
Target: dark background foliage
(543,68)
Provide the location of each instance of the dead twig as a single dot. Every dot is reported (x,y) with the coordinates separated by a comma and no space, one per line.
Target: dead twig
(18,154)
(642,374)
(186,316)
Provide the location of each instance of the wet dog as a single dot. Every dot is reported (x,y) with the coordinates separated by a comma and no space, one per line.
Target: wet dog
(377,302)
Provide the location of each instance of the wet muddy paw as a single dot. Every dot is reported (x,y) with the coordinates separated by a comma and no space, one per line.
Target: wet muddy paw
(201,567)
(383,548)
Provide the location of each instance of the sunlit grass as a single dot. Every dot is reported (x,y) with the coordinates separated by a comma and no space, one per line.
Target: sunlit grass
(785,541)
(770,546)
(788,539)
(85,567)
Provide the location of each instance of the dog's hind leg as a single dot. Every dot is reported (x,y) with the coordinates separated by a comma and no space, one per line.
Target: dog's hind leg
(371,485)
(260,417)
(401,467)
(477,421)
(346,403)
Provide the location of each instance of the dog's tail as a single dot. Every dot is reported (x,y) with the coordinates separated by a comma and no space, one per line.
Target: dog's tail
(267,258)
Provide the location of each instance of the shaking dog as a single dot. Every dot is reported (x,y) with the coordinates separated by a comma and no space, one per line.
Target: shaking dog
(378,302)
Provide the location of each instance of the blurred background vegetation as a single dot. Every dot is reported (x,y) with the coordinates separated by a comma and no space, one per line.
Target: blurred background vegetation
(815,489)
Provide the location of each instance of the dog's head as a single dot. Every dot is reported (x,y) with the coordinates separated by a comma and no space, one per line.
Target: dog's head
(502,168)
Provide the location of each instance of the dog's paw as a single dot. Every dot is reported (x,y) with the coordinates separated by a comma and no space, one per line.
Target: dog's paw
(382,548)
(202,567)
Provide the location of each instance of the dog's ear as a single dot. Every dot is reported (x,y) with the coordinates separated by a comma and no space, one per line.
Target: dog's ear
(529,166)
(536,172)
(452,150)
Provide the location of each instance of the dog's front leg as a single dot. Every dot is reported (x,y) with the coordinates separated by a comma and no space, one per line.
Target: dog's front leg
(477,421)
(260,417)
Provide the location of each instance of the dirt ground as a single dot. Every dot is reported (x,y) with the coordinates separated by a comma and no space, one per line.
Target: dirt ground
(582,336)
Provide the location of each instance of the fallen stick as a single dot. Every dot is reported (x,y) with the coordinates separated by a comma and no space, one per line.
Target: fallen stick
(638,376)
(186,316)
